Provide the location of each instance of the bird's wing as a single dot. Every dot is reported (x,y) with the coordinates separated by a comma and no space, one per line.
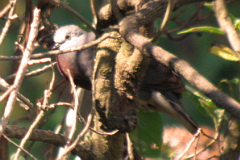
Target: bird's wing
(159,77)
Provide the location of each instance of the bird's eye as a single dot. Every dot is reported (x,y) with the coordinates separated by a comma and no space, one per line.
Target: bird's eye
(67,37)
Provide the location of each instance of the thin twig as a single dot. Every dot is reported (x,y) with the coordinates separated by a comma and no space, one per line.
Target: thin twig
(57,52)
(75,109)
(60,104)
(6,93)
(71,124)
(196,135)
(94,12)
(6,9)
(129,147)
(22,68)
(38,61)
(80,17)
(4,87)
(28,134)
(206,147)
(49,137)
(40,70)
(47,95)
(82,120)
(35,72)
(8,22)
(110,133)
(167,15)
(15,144)
(226,24)
(83,132)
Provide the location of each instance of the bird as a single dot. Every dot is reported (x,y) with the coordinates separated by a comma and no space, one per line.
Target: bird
(160,90)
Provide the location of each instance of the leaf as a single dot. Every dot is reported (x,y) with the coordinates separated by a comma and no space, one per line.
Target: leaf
(209,106)
(148,134)
(208,29)
(237,24)
(209,5)
(236,21)
(225,53)
(19,158)
(234,81)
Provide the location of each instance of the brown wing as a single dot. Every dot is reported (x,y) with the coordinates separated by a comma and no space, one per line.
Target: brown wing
(159,77)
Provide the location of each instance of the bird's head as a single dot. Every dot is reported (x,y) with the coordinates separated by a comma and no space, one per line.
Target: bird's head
(68,37)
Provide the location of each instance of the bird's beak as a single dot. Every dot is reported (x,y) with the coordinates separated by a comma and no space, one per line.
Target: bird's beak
(56,46)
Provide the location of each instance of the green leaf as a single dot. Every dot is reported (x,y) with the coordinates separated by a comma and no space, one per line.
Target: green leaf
(219,115)
(225,53)
(209,5)
(208,29)
(148,134)
(209,106)
(237,24)
(234,81)
(19,158)
(236,21)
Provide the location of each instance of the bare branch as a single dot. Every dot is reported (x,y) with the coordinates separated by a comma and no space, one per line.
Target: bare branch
(226,24)
(196,135)
(167,15)
(46,137)
(34,72)
(8,22)
(47,95)
(130,32)
(56,52)
(28,134)
(6,93)
(83,132)
(15,144)
(72,122)
(79,16)
(6,9)
(217,135)
(22,68)
(38,61)
(4,87)
(93,5)
(129,147)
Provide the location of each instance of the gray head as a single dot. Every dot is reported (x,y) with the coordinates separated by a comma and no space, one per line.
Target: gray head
(69,36)
(79,63)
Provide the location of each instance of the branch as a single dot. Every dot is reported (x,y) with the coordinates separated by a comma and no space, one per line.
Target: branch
(23,66)
(8,22)
(56,52)
(106,17)
(15,144)
(226,24)
(4,86)
(72,124)
(79,16)
(47,95)
(190,143)
(28,134)
(5,10)
(130,32)
(46,137)
(80,135)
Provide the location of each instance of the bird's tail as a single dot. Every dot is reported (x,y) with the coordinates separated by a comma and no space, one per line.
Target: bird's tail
(170,103)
